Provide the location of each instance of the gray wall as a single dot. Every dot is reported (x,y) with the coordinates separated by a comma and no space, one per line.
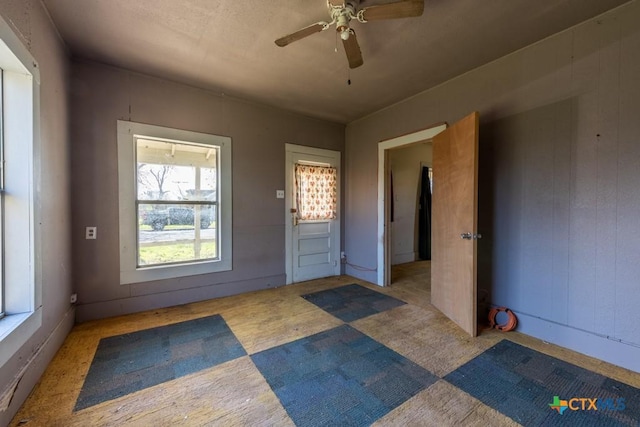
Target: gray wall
(31,23)
(406,166)
(100,96)
(559,171)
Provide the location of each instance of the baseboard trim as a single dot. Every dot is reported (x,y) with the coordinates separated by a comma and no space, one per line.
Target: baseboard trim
(367,276)
(135,304)
(403,258)
(604,348)
(17,391)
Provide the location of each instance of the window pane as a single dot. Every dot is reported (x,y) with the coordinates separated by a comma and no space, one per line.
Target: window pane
(2,242)
(174,233)
(179,232)
(176,171)
(1,249)
(316,192)
(209,181)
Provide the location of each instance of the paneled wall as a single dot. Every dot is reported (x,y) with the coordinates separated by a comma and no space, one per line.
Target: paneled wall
(102,95)
(559,173)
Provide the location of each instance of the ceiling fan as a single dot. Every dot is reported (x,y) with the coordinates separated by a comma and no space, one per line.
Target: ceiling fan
(343,11)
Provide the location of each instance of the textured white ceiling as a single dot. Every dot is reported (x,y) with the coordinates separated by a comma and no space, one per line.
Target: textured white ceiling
(227,46)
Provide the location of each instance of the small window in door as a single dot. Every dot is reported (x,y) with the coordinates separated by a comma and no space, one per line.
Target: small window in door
(316,192)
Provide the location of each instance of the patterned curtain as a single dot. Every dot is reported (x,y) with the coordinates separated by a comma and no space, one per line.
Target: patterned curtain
(316,192)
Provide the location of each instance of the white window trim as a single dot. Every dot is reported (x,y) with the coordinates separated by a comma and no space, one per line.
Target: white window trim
(22,275)
(129,272)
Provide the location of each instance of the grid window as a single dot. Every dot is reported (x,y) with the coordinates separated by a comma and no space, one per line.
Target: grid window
(1,202)
(175,202)
(20,268)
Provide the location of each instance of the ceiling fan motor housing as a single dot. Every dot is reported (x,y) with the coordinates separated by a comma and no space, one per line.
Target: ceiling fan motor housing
(342,14)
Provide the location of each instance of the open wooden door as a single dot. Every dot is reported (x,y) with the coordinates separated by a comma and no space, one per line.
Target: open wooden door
(455,220)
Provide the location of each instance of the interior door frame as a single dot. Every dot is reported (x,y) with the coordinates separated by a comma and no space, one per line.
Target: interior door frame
(384,242)
(290,149)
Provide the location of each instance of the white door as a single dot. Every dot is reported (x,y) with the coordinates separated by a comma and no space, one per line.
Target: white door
(312,229)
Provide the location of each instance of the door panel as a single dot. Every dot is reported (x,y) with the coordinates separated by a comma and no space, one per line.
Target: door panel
(314,261)
(314,245)
(313,252)
(455,211)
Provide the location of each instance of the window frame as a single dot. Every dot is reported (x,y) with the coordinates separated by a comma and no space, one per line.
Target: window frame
(130,272)
(21,251)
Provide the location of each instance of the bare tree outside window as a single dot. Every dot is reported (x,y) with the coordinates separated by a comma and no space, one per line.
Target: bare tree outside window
(152,178)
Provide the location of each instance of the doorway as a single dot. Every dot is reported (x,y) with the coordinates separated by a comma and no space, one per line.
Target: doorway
(410,205)
(312,213)
(454,217)
(384,194)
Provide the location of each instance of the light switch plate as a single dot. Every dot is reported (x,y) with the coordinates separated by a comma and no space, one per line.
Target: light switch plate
(279,194)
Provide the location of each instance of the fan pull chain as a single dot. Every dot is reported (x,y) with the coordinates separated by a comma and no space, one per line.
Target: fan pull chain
(349,77)
(336,50)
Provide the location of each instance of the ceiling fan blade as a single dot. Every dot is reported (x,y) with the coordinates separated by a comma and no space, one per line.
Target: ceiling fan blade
(400,9)
(300,34)
(352,49)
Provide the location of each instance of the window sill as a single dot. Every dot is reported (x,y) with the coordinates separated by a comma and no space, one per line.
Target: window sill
(15,330)
(10,322)
(160,272)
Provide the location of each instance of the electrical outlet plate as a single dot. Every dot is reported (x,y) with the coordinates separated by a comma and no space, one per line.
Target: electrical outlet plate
(279,194)
(91,233)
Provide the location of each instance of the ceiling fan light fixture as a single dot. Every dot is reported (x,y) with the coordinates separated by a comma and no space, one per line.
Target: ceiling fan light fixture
(342,12)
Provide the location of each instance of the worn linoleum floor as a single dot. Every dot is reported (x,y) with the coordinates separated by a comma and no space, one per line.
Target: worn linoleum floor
(236,394)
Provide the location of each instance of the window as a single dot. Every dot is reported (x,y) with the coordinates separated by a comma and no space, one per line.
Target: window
(1,205)
(175,202)
(316,192)
(177,213)
(20,292)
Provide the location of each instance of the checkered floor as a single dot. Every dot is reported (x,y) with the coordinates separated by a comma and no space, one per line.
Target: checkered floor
(325,352)
(342,376)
